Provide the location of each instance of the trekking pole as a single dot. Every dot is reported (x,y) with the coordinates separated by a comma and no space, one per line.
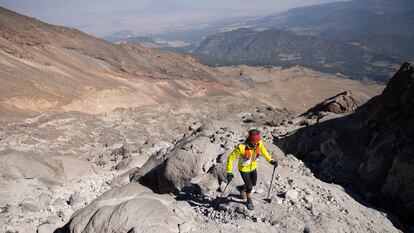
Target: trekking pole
(222,194)
(271,185)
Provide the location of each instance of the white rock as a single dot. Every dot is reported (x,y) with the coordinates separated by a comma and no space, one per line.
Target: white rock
(186,227)
(292,195)
(308,199)
(46,228)
(76,201)
(44,200)
(259,191)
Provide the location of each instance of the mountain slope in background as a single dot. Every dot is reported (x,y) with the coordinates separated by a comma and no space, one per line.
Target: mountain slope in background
(380,26)
(52,68)
(380,29)
(283,47)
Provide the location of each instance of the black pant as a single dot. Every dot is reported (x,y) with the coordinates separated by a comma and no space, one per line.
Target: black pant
(250,179)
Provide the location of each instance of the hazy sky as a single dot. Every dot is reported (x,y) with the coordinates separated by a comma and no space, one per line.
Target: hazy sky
(101,17)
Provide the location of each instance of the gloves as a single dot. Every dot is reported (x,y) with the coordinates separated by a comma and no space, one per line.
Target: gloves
(230,177)
(274,163)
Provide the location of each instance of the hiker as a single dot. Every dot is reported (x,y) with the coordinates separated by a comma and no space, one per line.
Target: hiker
(248,154)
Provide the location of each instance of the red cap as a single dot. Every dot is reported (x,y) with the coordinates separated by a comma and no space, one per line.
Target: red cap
(254,138)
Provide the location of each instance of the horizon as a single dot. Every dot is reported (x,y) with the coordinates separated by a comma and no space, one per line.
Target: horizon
(147,16)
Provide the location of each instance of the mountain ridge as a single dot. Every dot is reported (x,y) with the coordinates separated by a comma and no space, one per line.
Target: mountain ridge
(284,47)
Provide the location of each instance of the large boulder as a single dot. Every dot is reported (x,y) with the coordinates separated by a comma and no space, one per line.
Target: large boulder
(173,171)
(370,149)
(131,208)
(18,165)
(344,102)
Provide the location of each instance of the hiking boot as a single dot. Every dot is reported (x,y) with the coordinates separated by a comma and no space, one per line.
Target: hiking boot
(249,204)
(242,190)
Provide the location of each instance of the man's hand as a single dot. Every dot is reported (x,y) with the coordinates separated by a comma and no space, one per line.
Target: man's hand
(230,177)
(274,163)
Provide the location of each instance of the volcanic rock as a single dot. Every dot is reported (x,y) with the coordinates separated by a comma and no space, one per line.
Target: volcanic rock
(131,207)
(371,148)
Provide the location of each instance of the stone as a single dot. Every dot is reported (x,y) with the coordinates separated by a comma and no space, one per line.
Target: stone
(46,228)
(292,195)
(44,199)
(76,201)
(259,190)
(132,207)
(59,202)
(28,207)
(186,227)
(204,184)
(344,102)
(308,199)
(65,214)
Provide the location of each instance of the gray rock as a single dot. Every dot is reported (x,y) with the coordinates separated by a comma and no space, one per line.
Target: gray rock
(186,227)
(44,200)
(205,183)
(77,201)
(308,199)
(129,208)
(46,228)
(169,175)
(59,202)
(292,195)
(259,190)
(65,214)
(28,207)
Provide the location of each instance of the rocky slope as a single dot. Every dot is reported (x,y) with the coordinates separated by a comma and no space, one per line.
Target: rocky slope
(129,143)
(52,68)
(300,201)
(370,150)
(46,68)
(158,167)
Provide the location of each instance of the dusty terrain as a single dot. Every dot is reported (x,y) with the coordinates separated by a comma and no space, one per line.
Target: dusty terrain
(46,68)
(117,138)
(108,149)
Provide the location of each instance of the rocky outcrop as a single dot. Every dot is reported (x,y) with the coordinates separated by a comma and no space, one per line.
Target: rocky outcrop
(371,149)
(344,102)
(132,208)
(192,157)
(16,166)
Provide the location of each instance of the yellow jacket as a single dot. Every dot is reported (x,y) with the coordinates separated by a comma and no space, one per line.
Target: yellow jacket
(246,164)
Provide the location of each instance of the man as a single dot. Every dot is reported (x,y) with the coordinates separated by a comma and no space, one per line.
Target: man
(248,154)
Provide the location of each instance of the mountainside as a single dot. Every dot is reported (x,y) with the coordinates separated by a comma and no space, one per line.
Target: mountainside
(283,47)
(379,26)
(52,68)
(349,21)
(128,139)
(48,68)
(379,34)
(370,149)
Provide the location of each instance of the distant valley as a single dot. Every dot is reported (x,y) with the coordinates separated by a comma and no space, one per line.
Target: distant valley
(364,40)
